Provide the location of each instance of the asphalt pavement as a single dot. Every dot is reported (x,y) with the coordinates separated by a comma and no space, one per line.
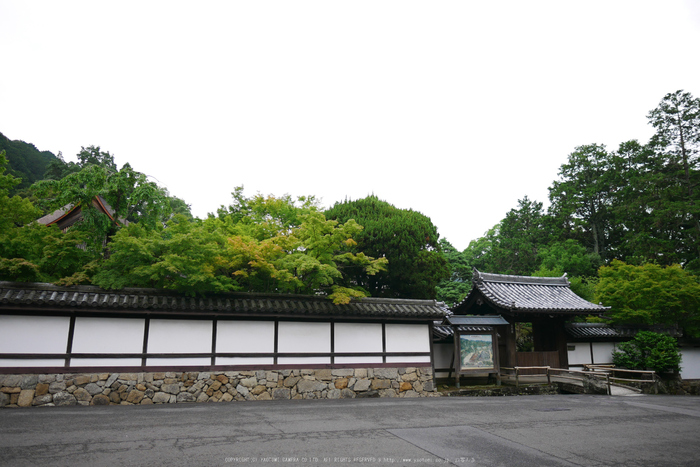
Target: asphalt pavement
(557,430)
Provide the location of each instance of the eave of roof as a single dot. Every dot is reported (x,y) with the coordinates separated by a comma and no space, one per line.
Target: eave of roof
(38,297)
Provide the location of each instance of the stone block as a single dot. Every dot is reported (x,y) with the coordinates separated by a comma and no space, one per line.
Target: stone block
(429,386)
(226,397)
(112,378)
(81,394)
(405,386)
(4,399)
(26,396)
(161,398)
(265,396)
(333,394)
(41,389)
(386,373)
(341,383)
(43,399)
(281,393)
(135,396)
(324,374)
(249,382)
(381,384)
(387,393)
(159,376)
(411,394)
(12,380)
(410,377)
(11,390)
(291,381)
(203,397)
(100,399)
(347,394)
(361,385)
(259,389)
(170,388)
(114,397)
(93,389)
(146,401)
(29,382)
(185,397)
(64,398)
(223,379)
(343,372)
(81,379)
(367,394)
(306,385)
(215,385)
(57,386)
(45,379)
(242,390)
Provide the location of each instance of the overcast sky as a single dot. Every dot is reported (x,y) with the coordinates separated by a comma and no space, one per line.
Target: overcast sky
(456,109)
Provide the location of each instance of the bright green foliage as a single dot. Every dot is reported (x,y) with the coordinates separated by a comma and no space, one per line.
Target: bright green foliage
(406,238)
(568,257)
(649,351)
(455,288)
(650,294)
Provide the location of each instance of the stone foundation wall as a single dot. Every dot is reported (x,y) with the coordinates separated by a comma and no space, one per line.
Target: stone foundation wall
(220,386)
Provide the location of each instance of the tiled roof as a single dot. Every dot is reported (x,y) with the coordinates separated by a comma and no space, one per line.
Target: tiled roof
(444,332)
(39,296)
(617,332)
(531,294)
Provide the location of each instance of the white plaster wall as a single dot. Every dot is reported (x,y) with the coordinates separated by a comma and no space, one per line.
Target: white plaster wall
(358,337)
(244,360)
(690,364)
(108,335)
(299,337)
(9,363)
(34,334)
(581,355)
(203,361)
(245,336)
(75,362)
(407,338)
(602,352)
(179,336)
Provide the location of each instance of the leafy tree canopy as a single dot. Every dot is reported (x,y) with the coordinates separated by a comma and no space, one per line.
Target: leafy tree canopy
(406,238)
(650,294)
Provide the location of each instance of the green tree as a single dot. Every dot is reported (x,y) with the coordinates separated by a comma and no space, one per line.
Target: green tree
(14,211)
(406,238)
(677,144)
(581,198)
(650,294)
(455,288)
(649,351)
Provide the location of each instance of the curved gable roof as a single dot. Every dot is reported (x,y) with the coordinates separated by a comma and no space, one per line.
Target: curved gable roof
(527,294)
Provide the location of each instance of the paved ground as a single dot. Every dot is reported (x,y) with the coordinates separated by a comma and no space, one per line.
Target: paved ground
(561,430)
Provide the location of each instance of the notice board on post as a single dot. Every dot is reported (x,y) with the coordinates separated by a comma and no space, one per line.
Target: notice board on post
(476,346)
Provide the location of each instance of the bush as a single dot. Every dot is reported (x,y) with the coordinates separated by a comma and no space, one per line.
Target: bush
(649,351)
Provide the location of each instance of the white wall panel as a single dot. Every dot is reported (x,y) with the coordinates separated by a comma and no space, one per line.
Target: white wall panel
(358,337)
(602,352)
(244,361)
(9,363)
(204,361)
(245,337)
(581,355)
(690,365)
(34,334)
(105,362)
(303,360)
(358,360)
(408,359)
(179,336)
(299,337)
(108,335)
(407,338)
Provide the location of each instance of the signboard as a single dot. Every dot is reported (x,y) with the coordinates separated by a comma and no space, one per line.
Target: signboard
(476,352)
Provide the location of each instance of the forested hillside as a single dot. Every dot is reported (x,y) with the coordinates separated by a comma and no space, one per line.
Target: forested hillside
(623,223)
(26,162)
